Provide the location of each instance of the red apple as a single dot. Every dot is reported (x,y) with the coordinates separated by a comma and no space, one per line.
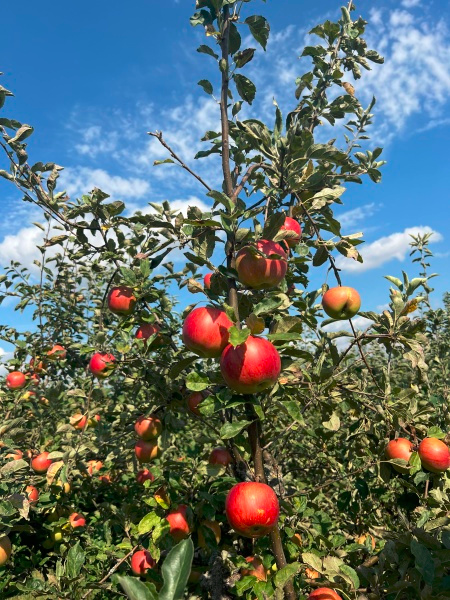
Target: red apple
(399,448)
(148,428)
(144,475)
(220,456)
(106,478)
(94,465)
(205,331)
(341,302)
(15,380)
(32,494)
(94,421)
(261,273)
(257,569)
(251,367)
(214,526)
(77,520)
(297,540)
(121,300)
(100,364)
(34,378)
(141,562)
(207,281)
(39,365)
(146,330)
(41,462)
(178,522)
(193,401)
(146,451)
(434,454)
(15,455)
(5,549)
(324,594)
(78,421)
(57,353)
(252,509)
(291,224)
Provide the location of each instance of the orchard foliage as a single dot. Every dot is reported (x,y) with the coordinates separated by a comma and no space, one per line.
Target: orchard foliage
(96,523)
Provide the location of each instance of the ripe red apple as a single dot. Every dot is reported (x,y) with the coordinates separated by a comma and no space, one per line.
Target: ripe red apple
(41,462)
(32,494)
(57,353)
(193,401)
(261,273)
(250,367)
(291,224)
(15,380)
(146,451)
(178,522)
(106,478)
(207,281)
(434,454)
(94,421)
(399,448)
(5,549)
(146,330)
(205,331)
(15,455)
(77,520)
(252,508)
(341,302)
(121,300)
(94,465)
(141,562)
(34,378)
(257,569)
(100,364)
(324,594)
(39,365)
(148,428)
(144,475)
(78,421)
(220,456)
(214,526)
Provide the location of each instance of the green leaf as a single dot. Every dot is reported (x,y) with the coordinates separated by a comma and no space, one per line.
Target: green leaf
(313,561)
(424,561)
(176,570)
(266,306)
(286,573)
(242,58)
(231,430)
(75,560)
(259,28)
(238,336)
(436,432)
(333,424)
(245,88)
(128,276)
(196,382)
(206,85)
(204,49)
(148,522)
(350,575)
(395,281)
(136,589)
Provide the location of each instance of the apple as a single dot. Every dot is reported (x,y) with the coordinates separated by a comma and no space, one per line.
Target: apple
(15,380)
(141,562)
(291,224)
(32,494)
(94,421)
(251,367)
(178,522)
(257,272)
(148,428)
(297,540)
(77,520)
(161,496)
(207,281)
(257,569)
(34,378)
(341,302)
(78,421)
(57,353)
(5,549)
(252,509)
(27,395)
(94,465)
(144,475)
(15,455)
(100,364)
(220,456)
(312,573)
(193,401)
(434,454)
(41,462)
(362,540)
(205,331)
(106,478)
(57,535)
(39,367)
(146,330)
(324,594)
(399,448)
(121,300)
(61,486)
(214,526)
(146,451)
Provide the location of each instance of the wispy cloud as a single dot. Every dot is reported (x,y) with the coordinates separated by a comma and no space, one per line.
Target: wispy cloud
(79,180)
(353,217)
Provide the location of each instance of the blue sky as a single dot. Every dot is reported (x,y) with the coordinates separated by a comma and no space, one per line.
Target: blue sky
(94,77)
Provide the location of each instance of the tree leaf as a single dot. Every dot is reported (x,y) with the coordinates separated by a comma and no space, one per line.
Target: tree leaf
(136,589)
(259,28)
(206,85)
(196,382)
(313,561)
(238,336)
(176,570)
(231,430)
(75,560)
(286,573)
(245,88)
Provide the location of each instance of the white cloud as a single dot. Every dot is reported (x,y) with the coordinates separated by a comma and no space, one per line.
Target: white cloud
(180,205)
(81,180)
(385,249)
(359,323)
(411,3)
(21,247)
(350,218)
(94,141)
